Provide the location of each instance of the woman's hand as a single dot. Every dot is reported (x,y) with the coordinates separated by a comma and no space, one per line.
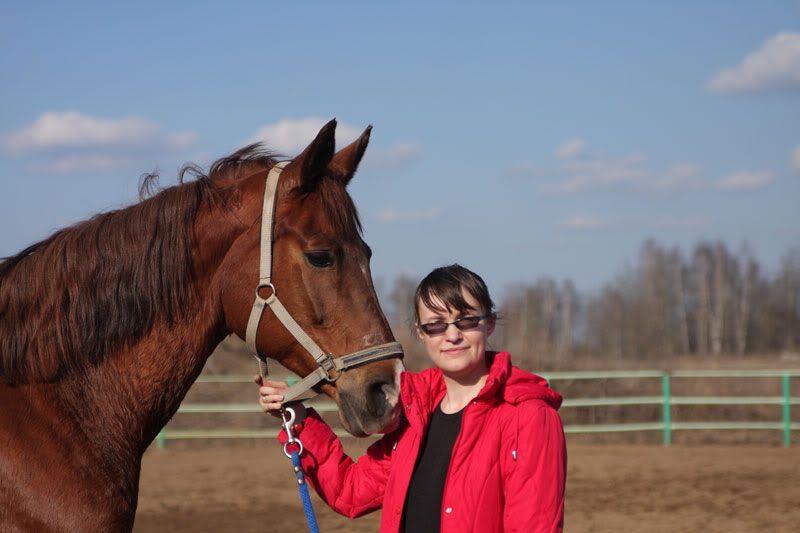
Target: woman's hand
(270,396)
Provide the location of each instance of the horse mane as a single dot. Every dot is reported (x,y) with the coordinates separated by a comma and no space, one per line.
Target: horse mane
(93,288)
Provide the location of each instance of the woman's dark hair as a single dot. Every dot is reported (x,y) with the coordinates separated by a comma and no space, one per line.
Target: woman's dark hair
(443,286)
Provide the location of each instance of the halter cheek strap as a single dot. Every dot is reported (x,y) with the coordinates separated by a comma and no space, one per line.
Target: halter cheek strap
(327,363)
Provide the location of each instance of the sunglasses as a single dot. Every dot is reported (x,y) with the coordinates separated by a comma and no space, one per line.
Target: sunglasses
(437,328)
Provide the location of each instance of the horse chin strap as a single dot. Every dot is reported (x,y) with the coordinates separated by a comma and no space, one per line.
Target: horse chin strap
(327,363)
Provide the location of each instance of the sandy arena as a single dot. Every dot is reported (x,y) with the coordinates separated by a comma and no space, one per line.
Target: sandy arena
(609,488)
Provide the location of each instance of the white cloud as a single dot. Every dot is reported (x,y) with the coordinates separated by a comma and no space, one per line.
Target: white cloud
(84,163)
(584,222)
(680,177)
(75,130)
(398,154)
(744,181)
(776,65)
(684,170)
(398,215)
(581,169)
(795,157)
(601,171)
(570,149)
(291,136)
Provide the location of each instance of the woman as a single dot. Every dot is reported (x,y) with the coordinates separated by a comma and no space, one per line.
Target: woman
(481,446)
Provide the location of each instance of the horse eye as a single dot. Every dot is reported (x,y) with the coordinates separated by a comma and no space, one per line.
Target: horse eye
(320,259)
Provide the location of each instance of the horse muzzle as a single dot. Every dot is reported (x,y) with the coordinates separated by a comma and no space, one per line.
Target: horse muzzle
(370,404)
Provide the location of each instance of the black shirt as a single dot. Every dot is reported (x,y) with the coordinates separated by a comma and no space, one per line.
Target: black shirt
(423,509)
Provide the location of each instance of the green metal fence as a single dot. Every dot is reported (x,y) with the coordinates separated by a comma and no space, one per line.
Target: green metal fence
(667,425)
(666,400)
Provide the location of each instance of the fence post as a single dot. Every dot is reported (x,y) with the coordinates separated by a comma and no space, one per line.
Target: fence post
(787,413)
(161,438)
(666,409)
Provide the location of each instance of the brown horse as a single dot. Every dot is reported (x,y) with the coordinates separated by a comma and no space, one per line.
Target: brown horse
(105,325)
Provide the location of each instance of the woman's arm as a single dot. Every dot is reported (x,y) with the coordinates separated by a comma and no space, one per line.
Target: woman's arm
(534,488)
(351,488)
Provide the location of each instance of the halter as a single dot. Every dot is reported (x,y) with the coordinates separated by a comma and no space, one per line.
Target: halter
(327,363)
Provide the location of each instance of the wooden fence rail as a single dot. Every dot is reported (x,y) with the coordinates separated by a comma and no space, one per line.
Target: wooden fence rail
(666,425)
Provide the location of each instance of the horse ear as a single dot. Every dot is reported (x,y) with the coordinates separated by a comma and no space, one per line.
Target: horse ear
(315,158)
(345,162)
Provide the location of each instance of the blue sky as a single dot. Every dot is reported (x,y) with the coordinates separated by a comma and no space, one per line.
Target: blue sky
(520,139)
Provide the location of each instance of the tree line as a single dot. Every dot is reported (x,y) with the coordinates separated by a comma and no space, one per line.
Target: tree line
(710,301)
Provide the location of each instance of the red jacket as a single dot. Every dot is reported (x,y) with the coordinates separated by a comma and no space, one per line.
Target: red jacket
(507,471)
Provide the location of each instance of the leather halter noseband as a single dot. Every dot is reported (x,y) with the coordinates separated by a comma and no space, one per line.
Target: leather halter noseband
(326,362)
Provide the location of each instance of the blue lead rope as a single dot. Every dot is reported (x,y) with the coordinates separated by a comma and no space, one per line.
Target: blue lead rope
(304,495)
(294,455)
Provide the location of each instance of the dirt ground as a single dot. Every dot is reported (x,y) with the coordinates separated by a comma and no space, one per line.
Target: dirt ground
(609,488)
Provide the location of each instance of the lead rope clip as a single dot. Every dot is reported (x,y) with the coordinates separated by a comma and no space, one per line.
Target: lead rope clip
(287,426)
(288,416)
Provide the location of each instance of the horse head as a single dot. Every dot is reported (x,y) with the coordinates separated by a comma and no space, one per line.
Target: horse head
(321,274)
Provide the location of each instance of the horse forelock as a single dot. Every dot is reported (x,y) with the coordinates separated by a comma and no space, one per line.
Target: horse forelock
(338,208)
(337,204)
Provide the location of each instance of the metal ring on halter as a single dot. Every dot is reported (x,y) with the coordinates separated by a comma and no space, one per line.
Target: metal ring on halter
(261,286)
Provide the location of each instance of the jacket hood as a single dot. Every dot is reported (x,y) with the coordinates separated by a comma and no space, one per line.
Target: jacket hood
(522,386)
(505,383)
(514,385)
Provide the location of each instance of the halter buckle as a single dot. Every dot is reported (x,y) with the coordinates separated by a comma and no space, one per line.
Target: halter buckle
(328,364)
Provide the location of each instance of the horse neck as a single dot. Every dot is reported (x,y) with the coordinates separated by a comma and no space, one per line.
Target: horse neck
(107,417)
(135,392)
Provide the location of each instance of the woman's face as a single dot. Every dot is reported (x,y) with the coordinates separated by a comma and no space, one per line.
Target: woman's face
(459,354)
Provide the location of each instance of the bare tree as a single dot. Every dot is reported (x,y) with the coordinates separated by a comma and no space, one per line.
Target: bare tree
(658,320)
(702,267)
(748,279)
(679,300)
(514,332)
(720,297)
(401,318)
(665,304)
(605,323)
(548,312)
(787,302)
(567,318)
